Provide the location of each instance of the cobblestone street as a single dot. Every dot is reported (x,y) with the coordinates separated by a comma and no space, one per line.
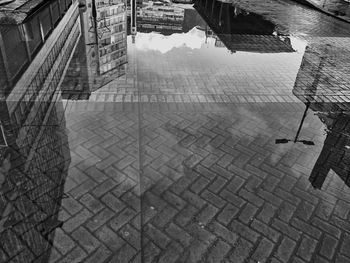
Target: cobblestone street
(198,152)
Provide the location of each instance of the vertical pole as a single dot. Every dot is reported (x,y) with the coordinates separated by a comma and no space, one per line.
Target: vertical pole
(5,61)
(212,8)
(133,19)
(94,16)
(302,121)
(26,41)
(220,13)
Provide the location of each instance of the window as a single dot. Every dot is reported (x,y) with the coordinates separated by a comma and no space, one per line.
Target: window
(55,12)
(63,6)
(15,49)
(45,21)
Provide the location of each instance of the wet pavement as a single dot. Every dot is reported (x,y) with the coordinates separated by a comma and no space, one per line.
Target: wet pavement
(336,8)
(209,132)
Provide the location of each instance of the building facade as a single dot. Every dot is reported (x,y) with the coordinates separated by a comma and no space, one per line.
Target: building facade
(239,30)
(160,17)
(102,53)
(34,152)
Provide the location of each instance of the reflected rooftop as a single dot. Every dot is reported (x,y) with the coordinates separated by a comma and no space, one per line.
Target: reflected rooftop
(155,131)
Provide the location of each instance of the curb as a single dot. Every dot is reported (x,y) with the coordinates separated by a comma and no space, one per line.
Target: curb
(310,4)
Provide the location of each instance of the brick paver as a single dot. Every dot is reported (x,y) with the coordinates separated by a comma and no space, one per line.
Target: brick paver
(195,208)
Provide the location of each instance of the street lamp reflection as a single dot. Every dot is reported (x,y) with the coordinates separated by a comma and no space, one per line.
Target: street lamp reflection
(283,141)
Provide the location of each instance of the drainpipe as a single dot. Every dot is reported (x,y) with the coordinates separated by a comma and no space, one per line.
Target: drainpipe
(94,16)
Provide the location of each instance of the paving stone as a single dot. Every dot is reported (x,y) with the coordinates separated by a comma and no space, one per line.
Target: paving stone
(71,205)
(345,246)
(241,251)
(77,220)
(304,211)
(174,200)
(223,232)
(228,213)
(306,248)
(63,243)
(213,199)
(306,228)
(85,239)
(218,252)
(179,235)
(186,215)
(110,239)
(125,254)
(285,229)
(83,188)
(75,256)
(195,252)
(101,254)
(248,213)
(122,218)
(286,211)
(266,230)
(193,199)
(342,259)
(151,251)
(104,187)
(171,254)
(328,247)
(267,213)
(342,209)
(199,185)
(113,202)
(164,217)
(244,231)
(217,185)
(324,210)
(207,214)
(93,204)
(200,232)
(159,238)
(286,249)
(263,250)
(232,198)
(330,229)
(255,200)
(131,235)
(253,183)
(100,219)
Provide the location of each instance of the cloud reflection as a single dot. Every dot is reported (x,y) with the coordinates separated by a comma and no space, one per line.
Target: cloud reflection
(194,39)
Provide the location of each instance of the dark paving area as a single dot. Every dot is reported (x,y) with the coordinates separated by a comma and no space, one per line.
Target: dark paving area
(295,19)
(336,8)
(221,136)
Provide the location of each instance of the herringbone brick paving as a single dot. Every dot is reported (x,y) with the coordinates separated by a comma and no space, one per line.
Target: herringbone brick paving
(176,162)
(212,187)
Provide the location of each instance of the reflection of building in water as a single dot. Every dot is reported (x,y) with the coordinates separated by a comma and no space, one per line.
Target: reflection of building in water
(23,37)
(315,86)
(318,78)
(133,20)
(37,41)
(335,154)
(239,30)
(102,53)
(32,184)
(161,17)
(111,33)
